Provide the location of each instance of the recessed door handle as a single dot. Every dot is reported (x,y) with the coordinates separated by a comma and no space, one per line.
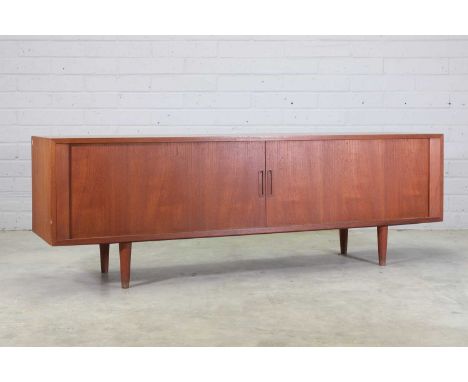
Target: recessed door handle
(261,184)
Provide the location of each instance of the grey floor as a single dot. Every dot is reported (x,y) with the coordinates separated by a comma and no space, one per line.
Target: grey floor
(267,290)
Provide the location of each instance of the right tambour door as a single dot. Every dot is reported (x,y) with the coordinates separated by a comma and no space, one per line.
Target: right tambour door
(346,180)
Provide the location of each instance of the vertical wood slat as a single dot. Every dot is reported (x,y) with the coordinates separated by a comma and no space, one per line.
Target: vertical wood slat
(436,177)
(62,184)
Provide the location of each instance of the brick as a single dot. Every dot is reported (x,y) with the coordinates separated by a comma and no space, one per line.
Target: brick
(459,99)
(285,100)
(216,100)
(456,134)
(317,49)
(8,151)
(183,83)
(117,117)
(417,99)
(9,48)
(15,203)
(379,83)
(7,83)
(16,220)
(25,66)
(218,65)
(250,49)
(442,83)
(350,100)
(84,100)
(25,100)
(456,168)
(189,48)
(7,117)
(150,65)
(458,65)
(457,186)
(314,117)
(251,65)
(15,184)
(456,150)
(118,49)
(24,151)
(350,66)
(118,83)
(249,83)
(184,117)
(51,48)
(14,134)
(150,100)
(15,168)
(8,220)
(84,66)
(414,49)
(315,83)
(416,66)
(249,117)
(24,220)
(458,203)
(50,117)
(50,83)
(408,117)
(286,66)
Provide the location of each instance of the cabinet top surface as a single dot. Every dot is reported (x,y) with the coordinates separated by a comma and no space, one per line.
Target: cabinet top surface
(253,137)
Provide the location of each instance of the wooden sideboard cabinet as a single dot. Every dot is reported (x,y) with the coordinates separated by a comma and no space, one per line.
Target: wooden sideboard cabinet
(122,190)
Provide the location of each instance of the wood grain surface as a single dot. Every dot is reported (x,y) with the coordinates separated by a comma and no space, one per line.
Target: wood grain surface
(224,183)
(43,190)
(129,189)
(319,182)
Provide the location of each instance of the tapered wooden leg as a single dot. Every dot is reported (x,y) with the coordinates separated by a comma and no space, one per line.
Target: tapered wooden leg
(104,249)
(125,250)
(344,241)
(382,234)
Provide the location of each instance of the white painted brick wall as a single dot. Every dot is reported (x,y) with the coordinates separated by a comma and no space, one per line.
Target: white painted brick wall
(147,85)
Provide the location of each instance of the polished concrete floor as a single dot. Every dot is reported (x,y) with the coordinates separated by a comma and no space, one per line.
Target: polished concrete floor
(267,290)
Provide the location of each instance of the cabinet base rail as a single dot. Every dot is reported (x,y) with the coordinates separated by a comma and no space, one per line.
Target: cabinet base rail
(125,251)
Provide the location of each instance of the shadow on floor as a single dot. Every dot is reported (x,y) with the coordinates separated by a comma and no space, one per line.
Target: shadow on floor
(316,263)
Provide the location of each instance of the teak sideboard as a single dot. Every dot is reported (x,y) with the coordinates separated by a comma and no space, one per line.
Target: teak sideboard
(122,190)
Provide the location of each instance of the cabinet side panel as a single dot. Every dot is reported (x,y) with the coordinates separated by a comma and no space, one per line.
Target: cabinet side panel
(62,175)
(42,191)
(436,178)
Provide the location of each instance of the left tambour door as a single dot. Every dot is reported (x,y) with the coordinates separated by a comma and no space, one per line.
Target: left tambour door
(121,189)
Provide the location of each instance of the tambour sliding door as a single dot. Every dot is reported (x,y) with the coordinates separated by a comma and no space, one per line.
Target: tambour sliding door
(331,181)
(129,189)
(126,189)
